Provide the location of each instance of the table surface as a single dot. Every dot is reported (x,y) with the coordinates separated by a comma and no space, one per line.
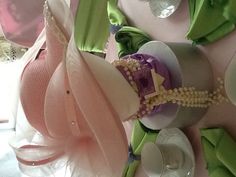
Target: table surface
(220,53)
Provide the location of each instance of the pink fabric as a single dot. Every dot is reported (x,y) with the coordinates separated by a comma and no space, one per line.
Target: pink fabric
(36,77)
(101,117)
(21,21)
(33,87)
(64,102)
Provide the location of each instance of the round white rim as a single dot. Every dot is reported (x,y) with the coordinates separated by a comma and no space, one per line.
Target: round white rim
(164,53)
(230,80)
(165,136)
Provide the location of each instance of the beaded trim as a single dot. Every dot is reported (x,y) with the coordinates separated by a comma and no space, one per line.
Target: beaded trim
(128,68)
(52,24)
(183,96)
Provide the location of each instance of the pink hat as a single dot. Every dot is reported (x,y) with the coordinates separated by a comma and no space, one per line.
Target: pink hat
(68,97)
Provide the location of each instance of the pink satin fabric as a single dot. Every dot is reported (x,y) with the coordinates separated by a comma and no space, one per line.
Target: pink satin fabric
(21,21)
(64,102)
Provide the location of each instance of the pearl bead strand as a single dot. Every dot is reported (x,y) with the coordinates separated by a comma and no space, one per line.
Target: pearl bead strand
(188,97)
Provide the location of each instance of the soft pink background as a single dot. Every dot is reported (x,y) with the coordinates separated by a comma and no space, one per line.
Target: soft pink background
(173,29)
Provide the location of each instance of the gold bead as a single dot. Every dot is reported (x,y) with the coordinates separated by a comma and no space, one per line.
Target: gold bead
(220,80)
(163,88)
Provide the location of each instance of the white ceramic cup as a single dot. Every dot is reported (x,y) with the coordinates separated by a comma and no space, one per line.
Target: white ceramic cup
(158,160)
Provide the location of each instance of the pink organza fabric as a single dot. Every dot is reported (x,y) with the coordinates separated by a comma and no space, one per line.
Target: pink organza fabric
(21,21)
(75,124)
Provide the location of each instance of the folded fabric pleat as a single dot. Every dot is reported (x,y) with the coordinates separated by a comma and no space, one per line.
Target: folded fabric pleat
(91,25)
(129,39)
(230,11)
(115,16)
(218,148)
(221,172)
(225,148)
(220,20)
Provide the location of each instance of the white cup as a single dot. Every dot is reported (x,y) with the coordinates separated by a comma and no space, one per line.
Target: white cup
(160,159)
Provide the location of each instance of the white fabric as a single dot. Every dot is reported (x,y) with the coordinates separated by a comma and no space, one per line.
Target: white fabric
(117,89)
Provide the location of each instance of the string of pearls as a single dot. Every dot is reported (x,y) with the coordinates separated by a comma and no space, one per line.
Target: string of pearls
(51,21)
(183,96)
(188,96)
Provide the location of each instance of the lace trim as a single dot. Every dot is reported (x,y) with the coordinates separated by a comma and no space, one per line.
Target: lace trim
(52,23)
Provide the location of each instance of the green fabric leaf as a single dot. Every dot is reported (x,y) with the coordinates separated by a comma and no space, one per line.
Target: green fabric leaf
(230,11)
(221,172)
(205,20)
(225,152)
(192,6)
(115,16)
(219,149)
(140,137)
(212,135)
(210,20)
(129,40)
(210,156)
(131,169)
(137,135)
(91,25)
